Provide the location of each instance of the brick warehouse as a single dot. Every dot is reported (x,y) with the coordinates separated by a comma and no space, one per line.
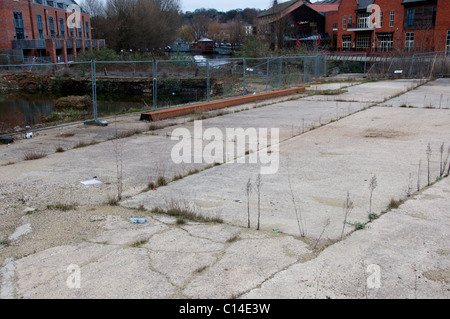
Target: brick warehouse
(403,25)
(41,30)
(409,25)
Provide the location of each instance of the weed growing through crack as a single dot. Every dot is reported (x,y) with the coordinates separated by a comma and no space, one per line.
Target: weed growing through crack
(248,191)
(348,207)
(183,211)
(32,155)
(373,184)
(429,153)
(62,207)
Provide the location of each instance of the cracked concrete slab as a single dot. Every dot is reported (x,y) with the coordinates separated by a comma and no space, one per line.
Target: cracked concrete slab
(406,249)
(167,259)
(324,165)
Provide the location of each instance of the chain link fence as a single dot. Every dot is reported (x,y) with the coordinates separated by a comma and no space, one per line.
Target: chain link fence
(57,93)
(419,65)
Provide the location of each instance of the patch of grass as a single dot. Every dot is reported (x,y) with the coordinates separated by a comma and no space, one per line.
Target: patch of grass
(233,239)
(112,201)
(139,242)
(181,221)
(393,204)
(81,144)
(62,207)
(151,186)
(177,177)
(32,155)
(183,211)
(161,181)
(127,133)
(193,171)
(359,225)
(372,216)
(59,149)
(201,269)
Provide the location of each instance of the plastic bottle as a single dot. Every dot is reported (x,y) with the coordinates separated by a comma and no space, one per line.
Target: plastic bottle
(138,220)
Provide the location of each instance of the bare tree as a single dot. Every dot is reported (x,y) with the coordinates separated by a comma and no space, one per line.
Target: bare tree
(373,184)
(429,152)
(301,226)
(248,190)
(259,185)
(348,207)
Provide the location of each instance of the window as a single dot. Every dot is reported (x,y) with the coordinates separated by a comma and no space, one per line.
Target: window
(447,47)
(346,43)
(344,23)
(433,19)
(40,27)
(410,17)
(363,20)
(87,29)
(363,41)
(350,21)
(409,43)
(381,20)
(51,24)
(392,18)
(385,42)
(62,31)
(18,24)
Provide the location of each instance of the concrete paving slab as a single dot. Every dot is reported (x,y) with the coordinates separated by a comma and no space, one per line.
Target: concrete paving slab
(371,92)
(434,94)
(403,254)
(323,165)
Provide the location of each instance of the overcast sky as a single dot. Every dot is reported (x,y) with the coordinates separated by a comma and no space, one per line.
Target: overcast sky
(225,5)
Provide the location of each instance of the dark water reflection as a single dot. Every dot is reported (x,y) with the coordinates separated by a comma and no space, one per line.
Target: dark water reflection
(31,110)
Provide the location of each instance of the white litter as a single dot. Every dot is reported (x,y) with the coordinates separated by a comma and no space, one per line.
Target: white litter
(91,182)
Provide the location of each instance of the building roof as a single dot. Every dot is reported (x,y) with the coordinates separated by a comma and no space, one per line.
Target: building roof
(320,6)
(363,4)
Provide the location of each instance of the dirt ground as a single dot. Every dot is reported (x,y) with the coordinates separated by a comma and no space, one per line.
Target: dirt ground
(330,145)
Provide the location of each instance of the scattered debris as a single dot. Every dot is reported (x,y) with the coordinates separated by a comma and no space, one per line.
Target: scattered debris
(6,140)
(91,182)
(138,220)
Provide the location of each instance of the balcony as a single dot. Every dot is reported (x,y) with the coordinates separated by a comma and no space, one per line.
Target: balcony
(361,26)
(28,44)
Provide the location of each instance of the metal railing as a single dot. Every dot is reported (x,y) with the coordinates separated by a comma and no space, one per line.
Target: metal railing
(162,84)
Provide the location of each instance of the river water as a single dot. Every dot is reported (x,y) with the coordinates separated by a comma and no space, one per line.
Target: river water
(32,109)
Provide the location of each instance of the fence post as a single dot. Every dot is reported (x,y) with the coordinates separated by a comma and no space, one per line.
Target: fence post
(316,64)
(243,76)
(365,62)
(280,72)
(155,84)
(208,83)
(304,69)
(267,74)
(94,89)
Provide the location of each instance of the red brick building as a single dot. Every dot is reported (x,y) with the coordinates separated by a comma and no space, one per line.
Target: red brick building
(392,25)
(371,25)
(46,30)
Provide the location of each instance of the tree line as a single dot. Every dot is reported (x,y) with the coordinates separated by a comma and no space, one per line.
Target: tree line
(149,25)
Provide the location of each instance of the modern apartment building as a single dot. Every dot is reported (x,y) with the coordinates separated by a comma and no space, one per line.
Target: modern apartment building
(392,25)
(365,25)
(45,30)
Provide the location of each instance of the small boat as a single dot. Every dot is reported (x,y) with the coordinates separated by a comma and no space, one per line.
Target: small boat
(203,45)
